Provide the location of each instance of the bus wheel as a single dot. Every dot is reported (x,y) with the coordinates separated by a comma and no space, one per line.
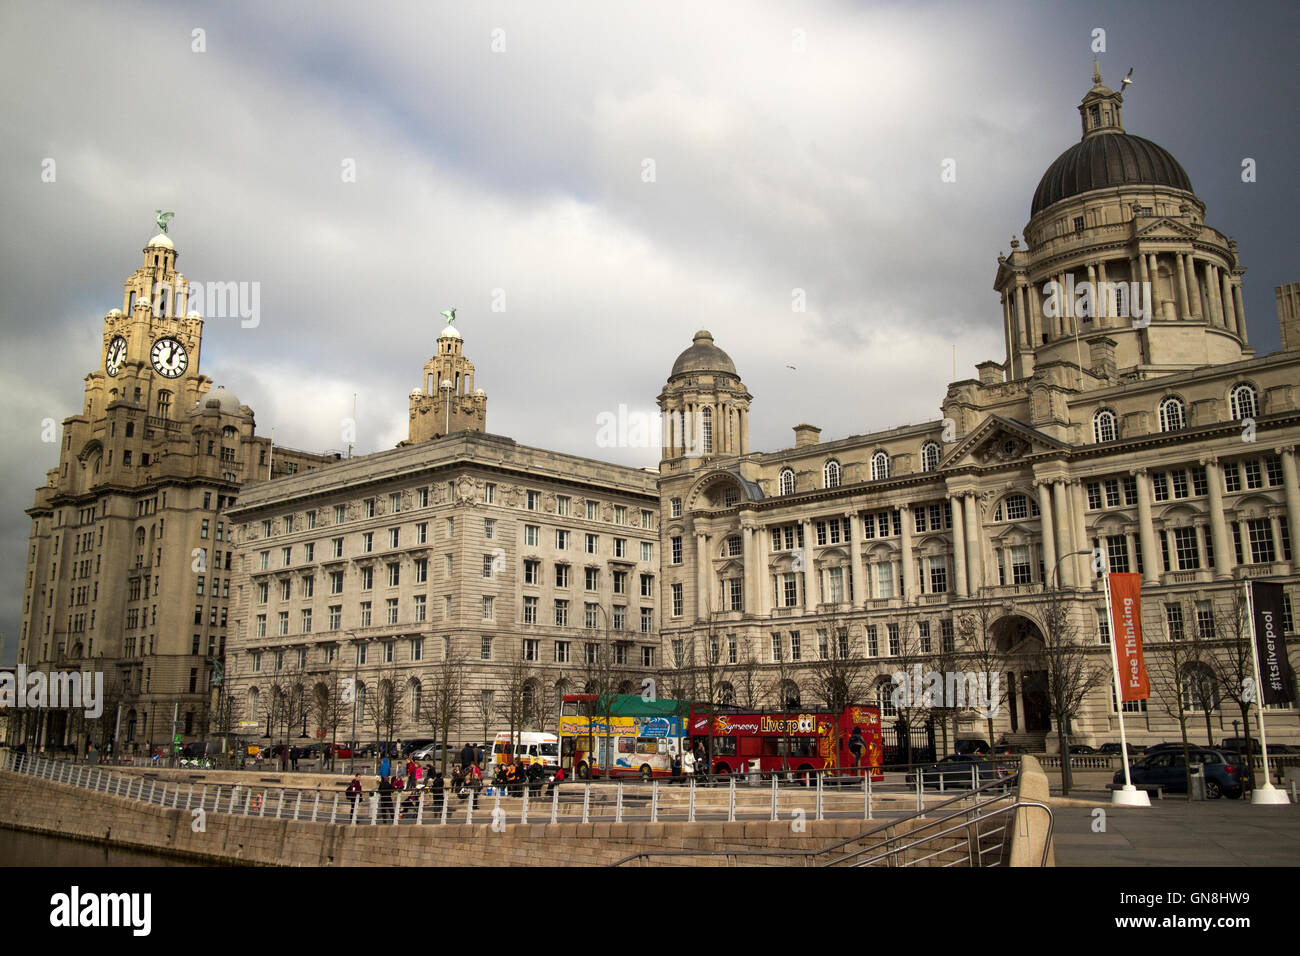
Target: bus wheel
(584,772)
(646,772)
(722,770)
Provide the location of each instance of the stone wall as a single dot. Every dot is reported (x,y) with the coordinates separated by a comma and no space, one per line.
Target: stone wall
(62,810)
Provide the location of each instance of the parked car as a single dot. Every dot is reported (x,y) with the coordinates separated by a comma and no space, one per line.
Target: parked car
(1165,768)
(201,748)
(1238,745)
(1166,745)
(973,745)
(432,751)
(411,746)
(955,771)
(1005,748)
(1113,750)
(1082,749)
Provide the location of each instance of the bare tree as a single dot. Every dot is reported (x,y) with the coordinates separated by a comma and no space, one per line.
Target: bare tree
(781,691)
(327,707)
(1168,665)
(444,702)
(837,675)
(511,704)
(389,706)
(980,648)
(909,656)
(710,670)
(1231,658)
(749,676)
(1072,674)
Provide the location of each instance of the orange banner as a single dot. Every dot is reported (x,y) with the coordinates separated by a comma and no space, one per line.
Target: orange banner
(1126,632)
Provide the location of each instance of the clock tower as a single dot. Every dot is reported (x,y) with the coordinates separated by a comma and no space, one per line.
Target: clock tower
(129,560)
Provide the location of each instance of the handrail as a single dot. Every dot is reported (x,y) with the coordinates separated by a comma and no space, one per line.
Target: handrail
(1002,785)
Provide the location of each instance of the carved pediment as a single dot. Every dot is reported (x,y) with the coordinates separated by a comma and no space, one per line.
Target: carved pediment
(999,440)
(1164,228)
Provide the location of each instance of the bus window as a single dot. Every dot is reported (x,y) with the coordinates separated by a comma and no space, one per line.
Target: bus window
(647,745)
(771,747)
(569,709)
(724,746)
(566,745)
(626,745)
(551,750)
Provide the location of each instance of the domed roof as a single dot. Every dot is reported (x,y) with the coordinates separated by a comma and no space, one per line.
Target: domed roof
(450,332)
(703,356)
(225,399)
(1108,159)
(160,240)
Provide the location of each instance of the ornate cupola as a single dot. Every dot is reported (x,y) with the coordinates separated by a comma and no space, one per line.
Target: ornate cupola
(705,406)
(447,401)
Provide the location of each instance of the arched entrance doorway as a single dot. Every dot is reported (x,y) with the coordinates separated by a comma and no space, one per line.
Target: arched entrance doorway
(1021,642)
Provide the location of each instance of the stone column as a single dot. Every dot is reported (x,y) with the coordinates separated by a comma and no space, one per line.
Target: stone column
(1081,540)
(1130,548)
(974,561)
(1214,291)
(1243,529)
(1193,286)
(703,576)
(958,547)
(812,583)
(1106,307)
(1063,306)
(1151,566)
(1239,308)
(1094,298)
(1291,485)
(1184,301)
(910,589)
(1144,272)
(1026,333)
(1224,558)
(855,560)
(762,575)
(1229,312)
(1201,532)
(1277,536)
(1035,316)
(751,569)
(1065,577)
(1045,521)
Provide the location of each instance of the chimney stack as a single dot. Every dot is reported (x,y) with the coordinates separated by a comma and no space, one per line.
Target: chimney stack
(806,435)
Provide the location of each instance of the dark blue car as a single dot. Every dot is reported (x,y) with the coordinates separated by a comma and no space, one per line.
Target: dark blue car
(1166,769)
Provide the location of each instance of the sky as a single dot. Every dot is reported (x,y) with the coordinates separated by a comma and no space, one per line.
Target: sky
(587,184)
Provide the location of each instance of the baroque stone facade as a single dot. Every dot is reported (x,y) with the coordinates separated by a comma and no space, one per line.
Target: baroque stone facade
(1157,440)
(129,558)
(518,567)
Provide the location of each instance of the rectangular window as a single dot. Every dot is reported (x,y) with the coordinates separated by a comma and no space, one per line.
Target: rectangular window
(530,610)
(873,641)
(677,549)
(736,594)
(532,572)
(1117,553)
(365,614)
(1174,622)
(1253,477)
(489,607)
(337,547)
(561,613)
(1178,480)
(789,590)
(561,575)
(336,616)
(489,493)
(620,582)
(1231,476)
(674,507)
(592,544)
(485,649)
(532,534)
(796,651)
(561,505)
(532,649)
(561,652)
(420,608)
(647,518)
(390,611)
(647,620)
(561,540)
(620,617)
(1200,485)
(394,575)
(394,537)
(589,612)
(1185,549)
(367,578)
(677,600)
(1261,541)
(534,500)
(1094,495)
(647,585)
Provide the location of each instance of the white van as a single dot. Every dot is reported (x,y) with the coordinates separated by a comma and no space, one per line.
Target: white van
(526,746)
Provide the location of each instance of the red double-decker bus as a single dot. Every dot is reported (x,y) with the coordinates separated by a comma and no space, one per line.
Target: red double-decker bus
(797,741)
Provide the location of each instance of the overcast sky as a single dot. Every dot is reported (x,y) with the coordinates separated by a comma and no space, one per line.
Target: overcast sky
(505,147)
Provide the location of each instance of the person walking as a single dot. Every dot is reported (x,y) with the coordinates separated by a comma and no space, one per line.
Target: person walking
(385,800)
(439,793)
(555,780)
(384,767)
(856,747)
(466,756)
(688,764)
(478,755)
(354,792)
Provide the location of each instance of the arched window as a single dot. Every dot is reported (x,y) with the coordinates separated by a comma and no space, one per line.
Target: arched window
(787,481)
(885,698)
(529,702)
(831,474)
(788,695)
(1103,426)
(253,698)
(1172,417)
(1199,688)
(706,430)
(164,403)
(1244,402)
(879,466)
(416,713)
(930,456)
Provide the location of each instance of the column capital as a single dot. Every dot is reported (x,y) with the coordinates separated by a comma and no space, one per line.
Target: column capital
(1208,461)
(1284,449)
(1138,472)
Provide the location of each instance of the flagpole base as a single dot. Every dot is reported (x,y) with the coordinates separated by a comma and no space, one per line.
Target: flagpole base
(1269,795)
(1130,796)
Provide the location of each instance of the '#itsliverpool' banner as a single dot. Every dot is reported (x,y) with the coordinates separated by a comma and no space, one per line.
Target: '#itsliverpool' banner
(1126,626)
(1274,668)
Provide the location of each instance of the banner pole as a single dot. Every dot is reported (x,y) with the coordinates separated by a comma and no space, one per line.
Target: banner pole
(1267,794)
(1129,796)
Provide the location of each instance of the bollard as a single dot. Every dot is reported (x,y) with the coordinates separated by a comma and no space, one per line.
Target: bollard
(555,803)
(690,806)
(586,804)
(973,784)
(374,809)
(334,810)
(316,806)
(445,803)
(419,810)
(654,801)
(469,809)
(153,785)
(248,798)
(618,804)
(820,815)
(774,816)
(731,801)
(279,807)
(920,798)
(261,807)
(189,798)
(523,807)
(868,789)
(397,808)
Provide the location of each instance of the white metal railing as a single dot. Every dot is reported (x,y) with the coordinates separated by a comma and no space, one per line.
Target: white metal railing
(808,794)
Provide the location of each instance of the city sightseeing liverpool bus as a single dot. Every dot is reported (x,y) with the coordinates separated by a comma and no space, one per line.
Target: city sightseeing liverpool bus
(797,741)
(640,738)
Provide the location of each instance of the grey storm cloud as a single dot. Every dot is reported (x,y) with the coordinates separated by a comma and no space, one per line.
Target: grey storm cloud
(501,152)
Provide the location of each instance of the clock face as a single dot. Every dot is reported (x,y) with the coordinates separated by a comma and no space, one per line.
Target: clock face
(116,355)
(169,358)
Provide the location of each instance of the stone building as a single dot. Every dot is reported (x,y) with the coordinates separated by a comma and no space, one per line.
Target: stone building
(1154,435)
(129,555)
(521,570)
